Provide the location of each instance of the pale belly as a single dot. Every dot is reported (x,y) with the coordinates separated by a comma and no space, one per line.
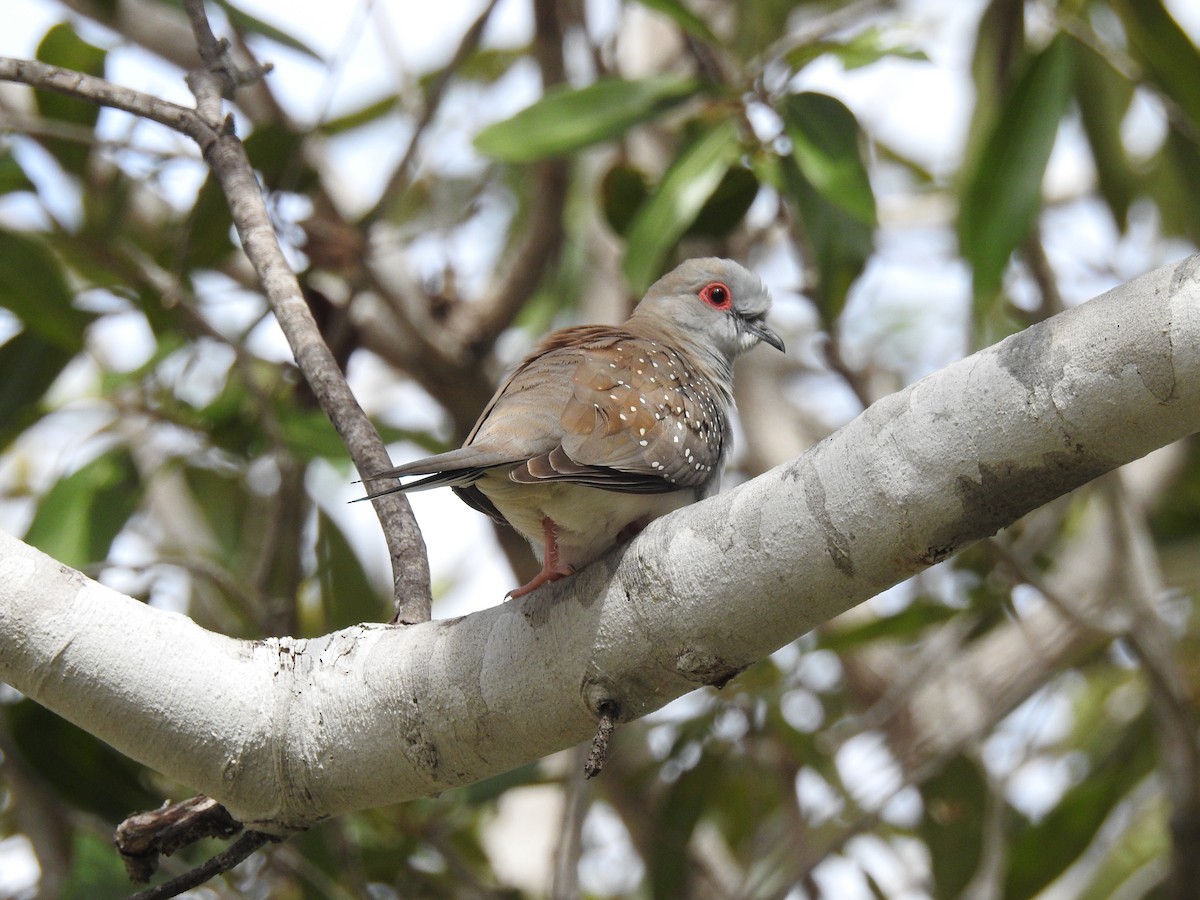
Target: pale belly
(588,521)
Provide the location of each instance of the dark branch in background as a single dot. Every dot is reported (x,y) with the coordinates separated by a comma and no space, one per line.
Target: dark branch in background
(437,90)
(477,325)
(443,352)
(1043,276)
(474,327)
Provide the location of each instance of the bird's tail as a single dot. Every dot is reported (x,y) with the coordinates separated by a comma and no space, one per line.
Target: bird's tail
(456,468)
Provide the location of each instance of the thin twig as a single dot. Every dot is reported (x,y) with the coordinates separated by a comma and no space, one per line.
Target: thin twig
(236,853)
(410,568)
(105,93)
(609,712)
(1043,276)
(220,75)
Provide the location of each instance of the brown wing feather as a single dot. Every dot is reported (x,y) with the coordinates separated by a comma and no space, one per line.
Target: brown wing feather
(630,415)
(639,419)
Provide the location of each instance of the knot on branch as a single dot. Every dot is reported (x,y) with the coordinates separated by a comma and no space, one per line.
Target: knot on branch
(145,837)
(221,75)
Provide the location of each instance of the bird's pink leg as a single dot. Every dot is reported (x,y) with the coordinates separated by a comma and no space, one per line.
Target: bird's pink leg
(552,570)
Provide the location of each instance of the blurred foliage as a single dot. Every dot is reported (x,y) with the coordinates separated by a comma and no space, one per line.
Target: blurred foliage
(151,436)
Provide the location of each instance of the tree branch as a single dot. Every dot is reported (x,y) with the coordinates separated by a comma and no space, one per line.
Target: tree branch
(285,732)
(227,159)
(105,93)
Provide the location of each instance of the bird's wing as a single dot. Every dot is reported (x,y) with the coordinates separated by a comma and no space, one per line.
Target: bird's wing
(637,420)
(520,421)
(595,406)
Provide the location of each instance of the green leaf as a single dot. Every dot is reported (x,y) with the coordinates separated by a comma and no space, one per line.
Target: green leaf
(78,519)
(683,17)
(308,433)
(363,116)
(29,365)
(567,119)
(1176,515)
(434,202)
(1164,51)
(864,48)
(954,810)
(34,288)
(906,625)
(623,190)
(1103,96)
(827,147)
(1003,190)
(999,48)
(96,870)
(672,208)
(223,500)
(1137,852)
(63,47)
(727,206)
(490,789)
(681,809)
(12,176)
(207,240)
(347,596)
(1043,851)
(825,178)
(276,152)
(244,22)
(1174,186)
(760,24)
(83,770)
(486,66)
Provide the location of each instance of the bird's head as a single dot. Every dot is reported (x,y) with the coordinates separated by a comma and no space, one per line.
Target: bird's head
(712,303)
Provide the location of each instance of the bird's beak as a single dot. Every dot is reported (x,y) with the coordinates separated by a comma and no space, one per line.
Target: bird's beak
(759,329)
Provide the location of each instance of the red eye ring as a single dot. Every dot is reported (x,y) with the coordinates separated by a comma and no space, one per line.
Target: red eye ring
(717,295)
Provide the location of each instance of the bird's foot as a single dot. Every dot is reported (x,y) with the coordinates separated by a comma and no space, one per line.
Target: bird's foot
(552,569)
(543,577)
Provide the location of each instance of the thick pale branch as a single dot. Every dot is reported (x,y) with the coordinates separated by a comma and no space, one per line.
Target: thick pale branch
(285,732)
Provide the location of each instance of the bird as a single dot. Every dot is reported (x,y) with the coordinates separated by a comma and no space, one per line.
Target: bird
(602,429)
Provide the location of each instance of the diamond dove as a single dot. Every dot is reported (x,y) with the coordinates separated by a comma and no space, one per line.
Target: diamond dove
(602,429)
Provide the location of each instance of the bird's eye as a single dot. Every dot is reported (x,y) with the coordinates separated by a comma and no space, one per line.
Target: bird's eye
(717,295)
